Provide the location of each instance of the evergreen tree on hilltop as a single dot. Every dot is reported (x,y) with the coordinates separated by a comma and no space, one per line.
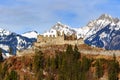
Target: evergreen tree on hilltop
(69,49)
(99,69)
(13,76)
(1,57)
(70,67)
(39,62)
(113,69)
(114,57)
(86,63)
(76,53)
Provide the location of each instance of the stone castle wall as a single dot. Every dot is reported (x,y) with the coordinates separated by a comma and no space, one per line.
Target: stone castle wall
(59,40)
(50,40)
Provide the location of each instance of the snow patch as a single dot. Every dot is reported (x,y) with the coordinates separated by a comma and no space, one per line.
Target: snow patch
(20,41)
(32,34)
(103,35)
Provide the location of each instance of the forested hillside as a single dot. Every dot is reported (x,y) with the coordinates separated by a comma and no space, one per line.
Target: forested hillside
(69,64)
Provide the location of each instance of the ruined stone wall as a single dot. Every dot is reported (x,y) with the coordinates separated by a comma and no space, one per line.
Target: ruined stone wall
(50,40)
(59,40)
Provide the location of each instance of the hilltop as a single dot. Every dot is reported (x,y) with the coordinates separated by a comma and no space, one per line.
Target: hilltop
(25,65)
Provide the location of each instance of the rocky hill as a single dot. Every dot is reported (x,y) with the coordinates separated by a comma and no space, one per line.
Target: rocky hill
(103,32)
(56,62)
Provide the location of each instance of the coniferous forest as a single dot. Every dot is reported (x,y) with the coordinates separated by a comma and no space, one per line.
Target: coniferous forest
(64,65)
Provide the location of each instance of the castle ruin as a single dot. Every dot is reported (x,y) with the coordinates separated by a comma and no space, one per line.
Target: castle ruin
(58,38)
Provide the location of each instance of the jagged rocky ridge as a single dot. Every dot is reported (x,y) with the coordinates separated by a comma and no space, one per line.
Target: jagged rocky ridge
(59,27)
(14,41)
(104,33)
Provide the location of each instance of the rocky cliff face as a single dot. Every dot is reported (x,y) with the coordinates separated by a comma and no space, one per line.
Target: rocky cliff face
(104,33)
(14,41)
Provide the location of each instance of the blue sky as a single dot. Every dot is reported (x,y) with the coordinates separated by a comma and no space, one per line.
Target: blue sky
(25,15)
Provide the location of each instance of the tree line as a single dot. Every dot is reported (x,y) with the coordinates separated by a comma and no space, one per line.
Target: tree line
(65,65)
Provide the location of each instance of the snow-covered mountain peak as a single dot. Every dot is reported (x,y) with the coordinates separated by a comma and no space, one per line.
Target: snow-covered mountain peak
(31,34)
(100,23)
(4,32)
(58,22)
(105,16)
(59,27)
(104,33)
(15,41)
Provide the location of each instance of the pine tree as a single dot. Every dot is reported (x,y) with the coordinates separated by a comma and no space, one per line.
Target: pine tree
(76,53)
(70,68)
(114,57)
(13,76)
(4,70)
(69,49)
(113,69)
(39,75)
(1,78)
(38,61)
(1,57)
(99,69)
(86,63)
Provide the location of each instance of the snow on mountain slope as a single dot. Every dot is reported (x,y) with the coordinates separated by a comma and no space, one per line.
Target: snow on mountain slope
(31,34)
(4,32)
(93,26)
(59,27)
(81,32)
(14,41)
(100,23)
(105,33)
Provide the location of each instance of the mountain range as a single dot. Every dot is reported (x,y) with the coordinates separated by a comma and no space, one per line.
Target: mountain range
(59,27)
(103,32)
(10,40)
